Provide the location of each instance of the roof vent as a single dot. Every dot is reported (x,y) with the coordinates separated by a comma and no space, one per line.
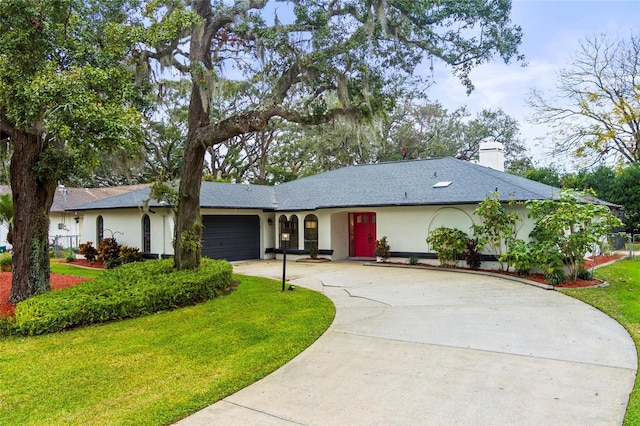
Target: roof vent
(442,184)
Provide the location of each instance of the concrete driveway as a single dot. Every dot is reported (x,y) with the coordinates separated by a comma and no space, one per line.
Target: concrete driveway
(412,346)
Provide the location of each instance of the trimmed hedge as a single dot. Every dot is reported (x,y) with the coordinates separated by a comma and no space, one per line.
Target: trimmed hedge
(130,291)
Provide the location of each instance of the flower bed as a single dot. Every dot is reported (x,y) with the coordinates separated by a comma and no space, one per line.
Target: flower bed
(591,263)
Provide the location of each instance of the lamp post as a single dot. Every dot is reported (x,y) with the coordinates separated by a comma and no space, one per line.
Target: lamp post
(284,237)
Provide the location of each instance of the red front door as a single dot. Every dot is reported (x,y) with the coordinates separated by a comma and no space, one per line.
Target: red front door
(364,234)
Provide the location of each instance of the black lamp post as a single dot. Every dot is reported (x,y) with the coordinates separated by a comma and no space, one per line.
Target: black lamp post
(284,237)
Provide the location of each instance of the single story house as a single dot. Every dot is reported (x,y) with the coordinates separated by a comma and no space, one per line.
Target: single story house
(66,223)
(340,213)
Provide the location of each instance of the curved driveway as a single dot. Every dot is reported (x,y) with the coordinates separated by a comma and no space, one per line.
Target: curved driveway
(411,346)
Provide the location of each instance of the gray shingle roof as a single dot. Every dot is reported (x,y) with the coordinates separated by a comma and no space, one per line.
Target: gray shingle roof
(212,195)
(384,184)
(406,183)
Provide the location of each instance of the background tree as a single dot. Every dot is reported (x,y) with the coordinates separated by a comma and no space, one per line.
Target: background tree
(546,175)
(343,50)
(595,112)
(430,131)
(65,93)
(625,191)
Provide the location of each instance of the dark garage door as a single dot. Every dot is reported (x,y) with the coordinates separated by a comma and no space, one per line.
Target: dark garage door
(231,237)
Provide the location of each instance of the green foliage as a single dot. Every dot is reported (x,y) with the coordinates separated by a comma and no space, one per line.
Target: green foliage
(6,214)
(625,191)
(130,291)
(448,243)
(130,254)
(61,73)
(413,260)
(556,277)
(71,255)
(498,228)
(191,239)
(427,129)
(546,175)
(566,229)
(89,251)
(585,274)
(164,191)
(6,260)
(518,256)
(109,252)
(382,249)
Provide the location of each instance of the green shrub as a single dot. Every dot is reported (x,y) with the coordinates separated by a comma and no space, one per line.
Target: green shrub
(556,277)
(448,243)
(383,249)
(88,251)
(130,254)
(413,260)
(6,260)
(133,290)
(71,255)
(518,256)
(6,326)
(585,274)
(108,249)
(113,262)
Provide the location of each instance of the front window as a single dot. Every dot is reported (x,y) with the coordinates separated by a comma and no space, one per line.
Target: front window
(146,234)
(310,232)
(290,226)
(99,229)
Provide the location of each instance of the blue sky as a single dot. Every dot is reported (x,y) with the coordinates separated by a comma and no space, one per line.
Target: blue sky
(552,34)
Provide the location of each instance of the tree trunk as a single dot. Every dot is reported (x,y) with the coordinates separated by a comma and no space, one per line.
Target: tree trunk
(32,201)
(188,229)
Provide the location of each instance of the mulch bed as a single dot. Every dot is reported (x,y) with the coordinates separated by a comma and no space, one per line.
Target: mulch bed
(58,282)
(591,262)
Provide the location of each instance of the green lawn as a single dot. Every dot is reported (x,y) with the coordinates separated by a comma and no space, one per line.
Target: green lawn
(68,269)
(621,301)
(157,369)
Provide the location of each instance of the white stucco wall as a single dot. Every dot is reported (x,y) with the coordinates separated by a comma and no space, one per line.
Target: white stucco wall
(125,225)
(406,228)
(339,234)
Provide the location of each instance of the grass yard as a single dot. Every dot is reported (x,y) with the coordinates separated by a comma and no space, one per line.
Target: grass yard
(621,301)
(160,368)
(68,269)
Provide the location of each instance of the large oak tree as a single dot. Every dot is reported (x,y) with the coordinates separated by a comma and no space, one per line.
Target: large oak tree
(65,93)
(313,61)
